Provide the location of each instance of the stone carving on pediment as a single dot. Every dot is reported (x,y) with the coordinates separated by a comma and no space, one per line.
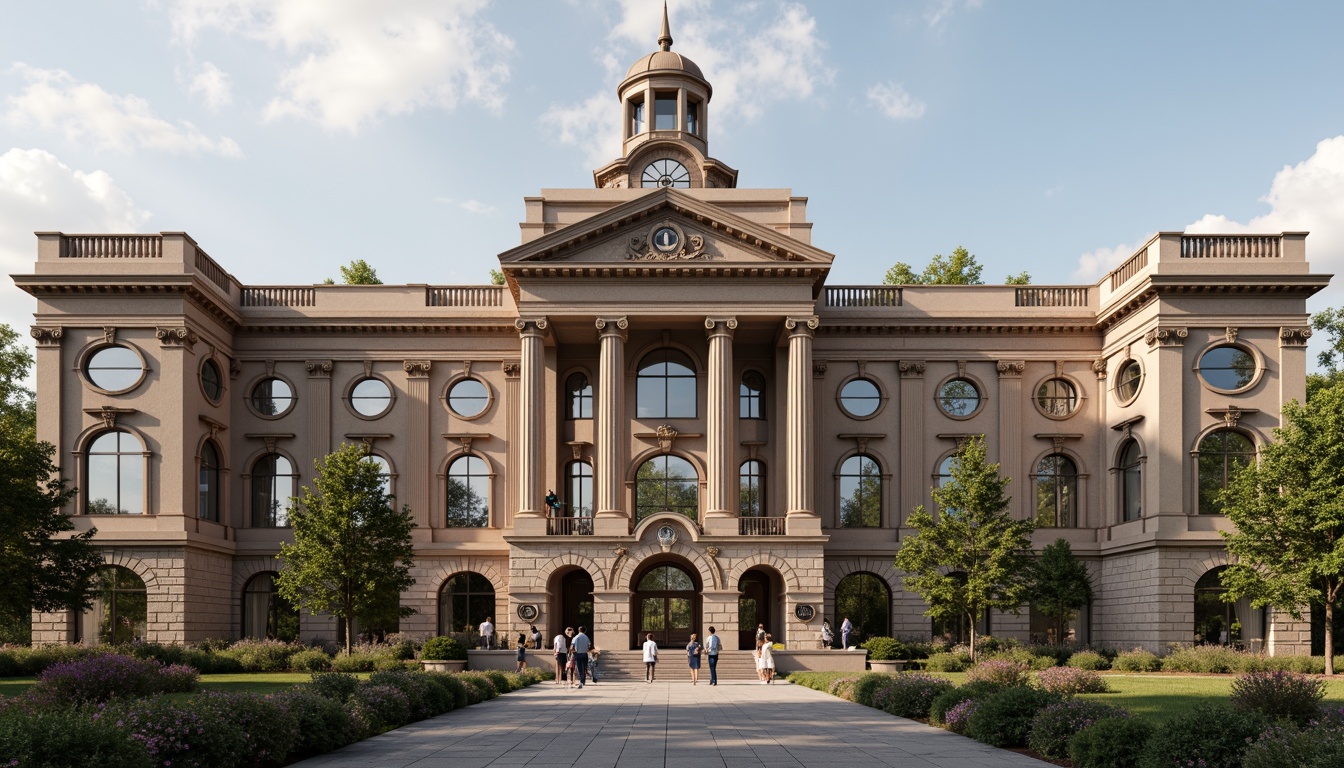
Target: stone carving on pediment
(180,336)
(650,246)
(47,336)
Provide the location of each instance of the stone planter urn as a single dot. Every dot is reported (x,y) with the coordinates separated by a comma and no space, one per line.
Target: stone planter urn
(442,665)
(894,665)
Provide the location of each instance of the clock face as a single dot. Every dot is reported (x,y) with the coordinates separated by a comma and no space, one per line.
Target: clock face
(666,173)
(666,239)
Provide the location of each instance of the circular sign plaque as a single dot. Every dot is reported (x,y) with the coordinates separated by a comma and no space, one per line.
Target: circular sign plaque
(527,612)
(805,612)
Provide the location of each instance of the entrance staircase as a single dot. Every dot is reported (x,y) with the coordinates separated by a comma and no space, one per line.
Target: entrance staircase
(628,666)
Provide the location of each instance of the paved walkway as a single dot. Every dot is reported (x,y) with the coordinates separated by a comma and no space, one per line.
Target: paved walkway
(670,725)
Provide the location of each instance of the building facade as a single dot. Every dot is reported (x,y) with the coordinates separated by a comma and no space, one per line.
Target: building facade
(665,419)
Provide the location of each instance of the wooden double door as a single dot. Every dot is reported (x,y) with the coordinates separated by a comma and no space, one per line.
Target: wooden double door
(666,605)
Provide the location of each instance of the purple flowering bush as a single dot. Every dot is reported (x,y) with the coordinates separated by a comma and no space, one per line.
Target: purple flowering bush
(1070,681)
(909,694)
(1053,726)
(1209,736)
(958,718)
(999,672)
(1279,694)
(378,708)
(1285,745)
(188,734)
(843,688)
(107,676)
(66,737)
(323,725)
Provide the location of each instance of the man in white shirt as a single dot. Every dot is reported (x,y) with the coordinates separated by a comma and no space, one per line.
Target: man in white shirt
(650,657)
(487,630)
(712,647)
(581,644)
(561,646)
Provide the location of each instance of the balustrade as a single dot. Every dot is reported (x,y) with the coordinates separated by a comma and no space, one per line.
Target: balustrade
(761,526)
(278,296)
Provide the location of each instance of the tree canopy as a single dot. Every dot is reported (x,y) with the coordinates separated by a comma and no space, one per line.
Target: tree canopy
(1288,545)
(975,536)
(1059,585)
(1331,323)
(352,552)
(359,273)
(496,277)
(961,268)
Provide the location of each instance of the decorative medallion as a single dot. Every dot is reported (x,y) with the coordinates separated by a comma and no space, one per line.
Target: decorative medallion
(666,241)
(528,612)
(667,535)
(805,612)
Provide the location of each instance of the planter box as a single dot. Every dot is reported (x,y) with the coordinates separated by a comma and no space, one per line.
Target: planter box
(820,661)
(887,666)
(444,666)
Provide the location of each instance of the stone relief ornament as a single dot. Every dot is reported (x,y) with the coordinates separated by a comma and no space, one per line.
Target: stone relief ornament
(911,369)
(47,336)
(319,368)
(666,435)
(417,368)
(180,336)
(1099,368)
(1294,337)
(667,536)
(1166,337)
(665,241)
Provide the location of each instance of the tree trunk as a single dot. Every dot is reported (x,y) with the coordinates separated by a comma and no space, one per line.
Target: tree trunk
(349,630)
(1329,637)
(972,638)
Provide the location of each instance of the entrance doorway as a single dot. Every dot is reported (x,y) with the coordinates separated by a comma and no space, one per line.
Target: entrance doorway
(666,605)
(755,603)
(576,602)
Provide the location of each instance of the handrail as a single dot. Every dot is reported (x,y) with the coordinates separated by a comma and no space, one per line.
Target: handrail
(215,273)
(1231,246)
(761,526)
(854,296)
(1130,268)
(1050,296)
(569,526)
(111,247)
(464,296)
(278,296)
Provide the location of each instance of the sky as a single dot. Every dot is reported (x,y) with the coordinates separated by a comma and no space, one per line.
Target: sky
(290,137)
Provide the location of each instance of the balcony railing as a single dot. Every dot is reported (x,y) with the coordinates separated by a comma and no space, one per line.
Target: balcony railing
(278,296)
(1129,269)
(850,296)
(464,296)
(569,526)
(112,247)
(1044,296)
(761,526)
(1230,246)
(215,273)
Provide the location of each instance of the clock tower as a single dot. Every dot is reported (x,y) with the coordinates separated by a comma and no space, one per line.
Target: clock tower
(665,121)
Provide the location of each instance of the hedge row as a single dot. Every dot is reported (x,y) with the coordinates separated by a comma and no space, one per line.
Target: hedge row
(238,730)
(218,657)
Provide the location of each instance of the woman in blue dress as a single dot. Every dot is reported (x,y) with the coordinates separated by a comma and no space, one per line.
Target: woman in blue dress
(693,650)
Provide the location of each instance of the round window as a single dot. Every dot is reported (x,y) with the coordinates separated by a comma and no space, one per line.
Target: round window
(1128,380)
(958,398)
(1227,367)
(114,369)
(468,398)
(860,398)
(371,397)
(1057,397)
(212,381)
(272,397)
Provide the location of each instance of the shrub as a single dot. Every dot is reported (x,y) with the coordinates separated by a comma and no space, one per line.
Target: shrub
(1090,660)
(958,718)
(1287,695)
(352,662)
(322,724)
(909,694)
(1053,726)
(843,687)
(164,654)
(1287,746)
(1210,736)
(28,661)
(336,686)
(311,660)
(455,688)
(443,649)
(948,661)
(475,681)
(1020,656)
(1137,660)
(1113,742)
(1069,682)
(1004,719)
(425,698)
(379,708)
(107,676)
(189,734)
(1057,654)
(210,663)
(388,663)
(885,649)
(922,648)
(867,684)
(268,726)
(66,737)
(499,680)
(999,671)
(261,655)
(1204,658)
(948,699)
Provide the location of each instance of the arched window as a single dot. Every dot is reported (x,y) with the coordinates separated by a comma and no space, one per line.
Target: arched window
(665,386)
(667,484)
(957,629)
(384,471)
(579,488)
(1221,454)
(465,600)
(751,396)
(274,485)
(267,615)
(860,493)
(865,599)
(580,393)
(208,493)
(119,610)
(116,475)
(1131,482)
(1222,623)
(751,489)
(468,496)
(1057,492)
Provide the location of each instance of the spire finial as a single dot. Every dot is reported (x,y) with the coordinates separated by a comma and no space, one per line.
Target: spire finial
(665,39)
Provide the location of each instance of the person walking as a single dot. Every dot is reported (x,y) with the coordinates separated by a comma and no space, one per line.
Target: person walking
(693,651)
(580,646)
(712,646)
(537,640)
(768,660)
(845,629)
(760,674)
(522,652)
(571,668)
(827,636)
(760,633)
(594,656)
(650,657)
(561,647)
(487,630)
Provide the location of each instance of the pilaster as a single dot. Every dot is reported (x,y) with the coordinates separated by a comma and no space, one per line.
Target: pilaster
(722,425)
(914,474)
(800,429)
(1010,432)
(609,429)
(531,412)
(417,443)
(1164,486)
(319,412)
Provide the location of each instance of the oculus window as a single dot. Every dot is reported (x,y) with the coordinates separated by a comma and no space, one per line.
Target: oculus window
(1128,381)
(959,398)
(468,493)
(272,397)
(1057,398)
(1227,368)
(114,369)
(860,398)
(371,397)
(469,398)
(665,386)
(212,381)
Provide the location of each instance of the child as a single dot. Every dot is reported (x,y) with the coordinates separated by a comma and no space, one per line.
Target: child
(593,656)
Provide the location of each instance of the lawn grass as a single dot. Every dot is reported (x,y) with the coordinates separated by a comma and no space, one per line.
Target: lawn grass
(246,683)
(1159,697)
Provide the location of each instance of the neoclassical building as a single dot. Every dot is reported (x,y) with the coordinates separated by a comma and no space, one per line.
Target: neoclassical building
(729,438)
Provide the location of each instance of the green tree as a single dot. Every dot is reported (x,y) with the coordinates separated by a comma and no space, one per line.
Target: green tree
(974,535)
(1288,544)
(42,567)
(466,508)
(352,553)
(359,273)
(960,268)
(496,277)
(1331,323)
(1059,585)
(1021,278)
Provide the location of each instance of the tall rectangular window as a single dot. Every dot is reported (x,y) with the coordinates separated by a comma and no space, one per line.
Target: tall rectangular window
(693,117)
(665,112)
(636,117)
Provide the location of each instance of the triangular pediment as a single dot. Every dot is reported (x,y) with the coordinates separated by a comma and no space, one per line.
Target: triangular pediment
(665,228)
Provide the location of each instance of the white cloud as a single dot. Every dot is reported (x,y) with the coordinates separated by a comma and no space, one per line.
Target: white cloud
(755,56)
(40,193)
(83,112)
(1093,264)
(353,63)
(214,86)
(939,11)
(894,102)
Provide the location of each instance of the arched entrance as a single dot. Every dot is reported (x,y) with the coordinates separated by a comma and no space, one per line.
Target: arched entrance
(759,601)
(666,604)
(576,602)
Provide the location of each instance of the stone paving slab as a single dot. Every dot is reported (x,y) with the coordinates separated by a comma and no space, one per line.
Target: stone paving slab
(669,725)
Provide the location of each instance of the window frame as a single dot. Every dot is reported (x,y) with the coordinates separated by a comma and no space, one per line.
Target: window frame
(756,481)
(257,382)
(1138,380)
(692,482)
(1256,374)
(840,478)
(349,397)
(471,591)
(881,397)
(137,461)
(577,397)
(1057,479)
(93,351)
(665,378)
(487,479)
(454,382)
(981,396)
(1125,471)
(275,513)
(751,401)
(1078,397)
(1225,468)
(209,490)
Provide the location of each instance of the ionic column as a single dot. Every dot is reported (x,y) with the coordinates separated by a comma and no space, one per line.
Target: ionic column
(531,412)
(799,428)
(721,421)
(609,427)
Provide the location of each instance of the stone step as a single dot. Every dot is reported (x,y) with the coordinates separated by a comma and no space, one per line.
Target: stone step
(629,665)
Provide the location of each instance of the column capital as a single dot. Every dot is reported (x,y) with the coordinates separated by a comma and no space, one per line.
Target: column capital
(1011,369)
(802,326)
(417,369)
(47,335)
(531,326)
(319,369)
(1288,337)
(612,326)
(1166,337)
(720,326)
(912,369)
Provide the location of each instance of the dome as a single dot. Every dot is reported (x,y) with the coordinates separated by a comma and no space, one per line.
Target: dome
(662,61)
